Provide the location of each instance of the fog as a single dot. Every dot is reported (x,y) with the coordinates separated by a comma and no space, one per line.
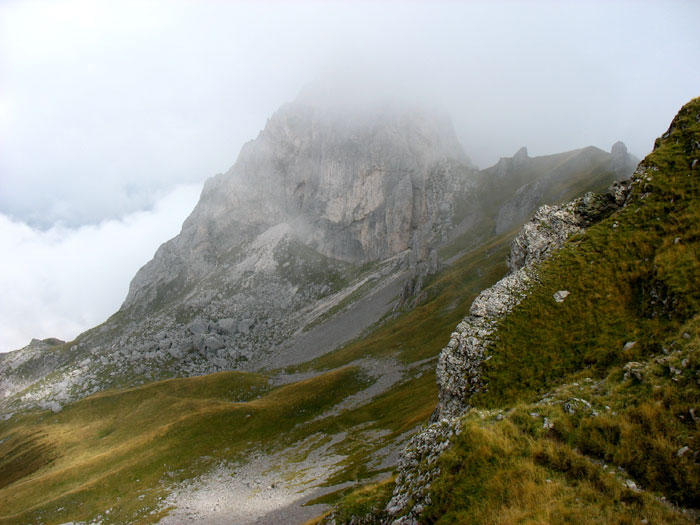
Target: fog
(107,108)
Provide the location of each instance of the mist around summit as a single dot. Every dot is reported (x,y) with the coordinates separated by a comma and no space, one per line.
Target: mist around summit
(341,263)
(283,357)
(107,108)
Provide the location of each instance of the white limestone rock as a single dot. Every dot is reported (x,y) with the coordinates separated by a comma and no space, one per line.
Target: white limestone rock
(561,295)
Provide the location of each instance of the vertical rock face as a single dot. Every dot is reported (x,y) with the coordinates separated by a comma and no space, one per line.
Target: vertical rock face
(358,188)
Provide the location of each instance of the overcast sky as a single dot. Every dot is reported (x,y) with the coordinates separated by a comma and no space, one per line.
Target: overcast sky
(113,113)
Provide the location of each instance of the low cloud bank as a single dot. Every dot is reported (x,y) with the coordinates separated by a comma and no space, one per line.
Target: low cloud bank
(62,281)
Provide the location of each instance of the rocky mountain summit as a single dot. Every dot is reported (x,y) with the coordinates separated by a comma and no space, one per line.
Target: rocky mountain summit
(309,202)
(327,221)
(320,277)
(318,208)
(355,191)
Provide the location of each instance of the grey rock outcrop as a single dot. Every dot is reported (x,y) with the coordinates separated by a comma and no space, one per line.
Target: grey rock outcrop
(21,368)
(198,327)
(227,325)
(545,233)
(621,160)
(561,295)
(520,156)
(417,468)
(356,189)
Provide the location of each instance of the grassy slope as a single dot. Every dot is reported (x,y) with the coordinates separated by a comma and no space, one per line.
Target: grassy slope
(633,278)
(514,469)
(117,445)
(567,175)
(104,451)
(618,273)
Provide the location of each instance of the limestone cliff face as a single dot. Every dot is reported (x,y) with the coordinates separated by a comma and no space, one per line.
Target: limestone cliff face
(357,188)
(276,247)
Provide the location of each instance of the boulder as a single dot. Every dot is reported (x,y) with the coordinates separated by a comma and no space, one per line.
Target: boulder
(634,370)
(561,295)
(227,325)
(198,327)
(245,325)
(213,343)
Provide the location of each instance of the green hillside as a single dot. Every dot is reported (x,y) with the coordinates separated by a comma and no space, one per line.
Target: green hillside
(115,455)
(106,451)
(592,407)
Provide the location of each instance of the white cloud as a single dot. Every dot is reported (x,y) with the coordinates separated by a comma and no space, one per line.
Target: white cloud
(60,282)
(101,103)
(105,105)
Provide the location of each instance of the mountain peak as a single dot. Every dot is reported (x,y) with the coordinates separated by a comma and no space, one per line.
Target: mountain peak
(335,176)
(618,149)
(621,160)
(315,122)
(521,155)
(352,186)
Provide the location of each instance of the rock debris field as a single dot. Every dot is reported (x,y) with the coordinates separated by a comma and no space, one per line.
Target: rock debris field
(266,489)
(272,488)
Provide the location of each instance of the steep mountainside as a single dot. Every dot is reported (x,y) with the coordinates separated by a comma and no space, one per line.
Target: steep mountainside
(319,278)
(570,392)
(326,222)
(319,211)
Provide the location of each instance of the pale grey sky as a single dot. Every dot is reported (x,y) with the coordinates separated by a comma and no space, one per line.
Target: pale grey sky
(108,107)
